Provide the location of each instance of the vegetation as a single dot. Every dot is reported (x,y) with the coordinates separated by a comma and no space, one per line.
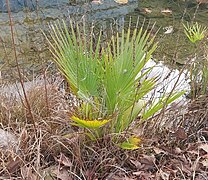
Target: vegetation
(92,119)
(196,34)
(107,78)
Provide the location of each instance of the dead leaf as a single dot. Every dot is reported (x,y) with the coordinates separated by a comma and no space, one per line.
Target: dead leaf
(164,175)
(147,11)
(177,150)
(27,173)
(137,173)
(181,163)
(97,2)
(204,147)
(148,159)
(158,151)
(23,138)
(168,30)
(202,1)
(143,175)
(166,11)
(115,177)
(137,164)
(121,1)
(64,160)
(62,174)
(205,163)
(193,152)
(14,165)
(180,134)
(148,162)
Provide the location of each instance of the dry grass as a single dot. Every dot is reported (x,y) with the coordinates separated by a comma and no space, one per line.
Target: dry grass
(56,150)
(50,110)
(196,117)
(52,149)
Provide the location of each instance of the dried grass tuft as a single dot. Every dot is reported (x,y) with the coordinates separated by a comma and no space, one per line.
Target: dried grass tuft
(196,116)
(34,146)
(55,149)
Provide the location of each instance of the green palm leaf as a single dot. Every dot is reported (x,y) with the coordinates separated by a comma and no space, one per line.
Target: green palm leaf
(106,77)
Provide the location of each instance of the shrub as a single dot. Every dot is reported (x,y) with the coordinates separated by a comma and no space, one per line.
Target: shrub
(107,77)
(195,32)
(199,67)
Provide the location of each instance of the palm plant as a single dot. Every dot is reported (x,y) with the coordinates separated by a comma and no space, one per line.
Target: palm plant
(194,32)
(199,69)
(107,77)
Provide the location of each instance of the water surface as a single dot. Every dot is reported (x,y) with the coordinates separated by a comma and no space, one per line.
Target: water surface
(29,19)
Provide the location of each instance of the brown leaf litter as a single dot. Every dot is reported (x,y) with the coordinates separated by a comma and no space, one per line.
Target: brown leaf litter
(57,151)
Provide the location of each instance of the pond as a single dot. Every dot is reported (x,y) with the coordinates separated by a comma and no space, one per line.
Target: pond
(29,17)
